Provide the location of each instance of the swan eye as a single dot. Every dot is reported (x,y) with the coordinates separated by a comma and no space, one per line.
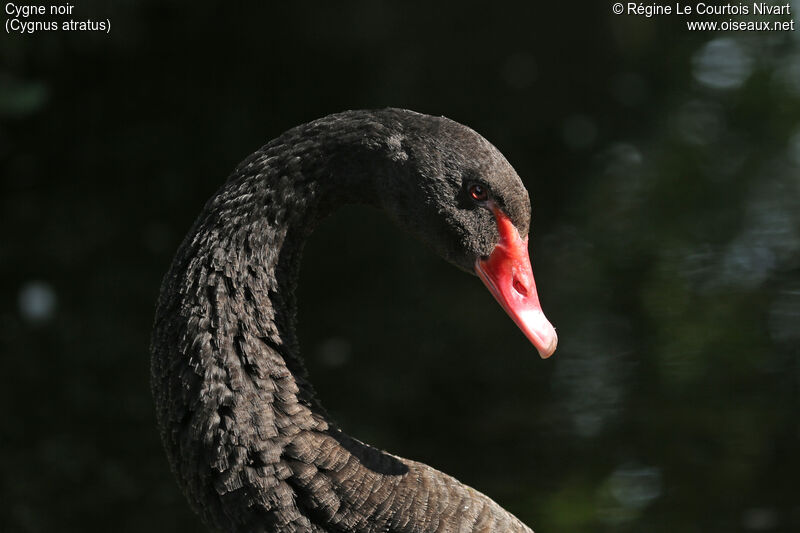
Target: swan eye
(478,192)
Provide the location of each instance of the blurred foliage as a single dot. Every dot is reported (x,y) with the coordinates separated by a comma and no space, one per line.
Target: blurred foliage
(664,169)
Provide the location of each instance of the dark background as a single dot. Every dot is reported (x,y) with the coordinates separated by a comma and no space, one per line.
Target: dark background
(664,170)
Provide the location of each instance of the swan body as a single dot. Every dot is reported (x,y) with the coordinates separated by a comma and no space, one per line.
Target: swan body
(247,439)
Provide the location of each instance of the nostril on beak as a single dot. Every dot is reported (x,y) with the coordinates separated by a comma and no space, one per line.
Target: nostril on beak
(520,287)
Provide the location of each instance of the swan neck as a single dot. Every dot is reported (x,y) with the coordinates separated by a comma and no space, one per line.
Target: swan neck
(231,390)
(250,445)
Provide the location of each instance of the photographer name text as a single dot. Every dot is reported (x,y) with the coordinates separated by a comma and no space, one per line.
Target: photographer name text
(700,8)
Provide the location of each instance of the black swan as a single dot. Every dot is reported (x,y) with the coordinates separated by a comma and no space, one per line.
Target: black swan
(250,444)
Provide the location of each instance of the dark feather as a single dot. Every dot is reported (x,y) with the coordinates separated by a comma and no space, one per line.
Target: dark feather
(248,442)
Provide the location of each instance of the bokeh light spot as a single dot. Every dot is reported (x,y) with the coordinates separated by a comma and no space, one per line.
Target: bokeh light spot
(722,64)
(37,302)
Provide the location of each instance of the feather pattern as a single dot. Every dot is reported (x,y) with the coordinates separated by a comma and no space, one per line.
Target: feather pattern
(248,441)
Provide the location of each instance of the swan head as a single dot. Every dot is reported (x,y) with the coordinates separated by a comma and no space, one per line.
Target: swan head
(458,193)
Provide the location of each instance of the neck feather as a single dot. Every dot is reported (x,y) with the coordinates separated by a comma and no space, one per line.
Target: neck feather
(248,441)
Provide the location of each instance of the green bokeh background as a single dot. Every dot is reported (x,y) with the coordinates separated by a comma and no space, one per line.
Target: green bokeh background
(664,171)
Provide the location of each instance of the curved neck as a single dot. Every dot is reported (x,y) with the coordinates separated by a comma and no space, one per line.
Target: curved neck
(247,439)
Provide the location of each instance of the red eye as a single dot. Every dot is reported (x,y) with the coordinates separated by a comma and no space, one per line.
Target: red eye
(478,192)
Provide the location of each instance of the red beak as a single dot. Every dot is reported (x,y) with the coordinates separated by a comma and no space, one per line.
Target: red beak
(508,275)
